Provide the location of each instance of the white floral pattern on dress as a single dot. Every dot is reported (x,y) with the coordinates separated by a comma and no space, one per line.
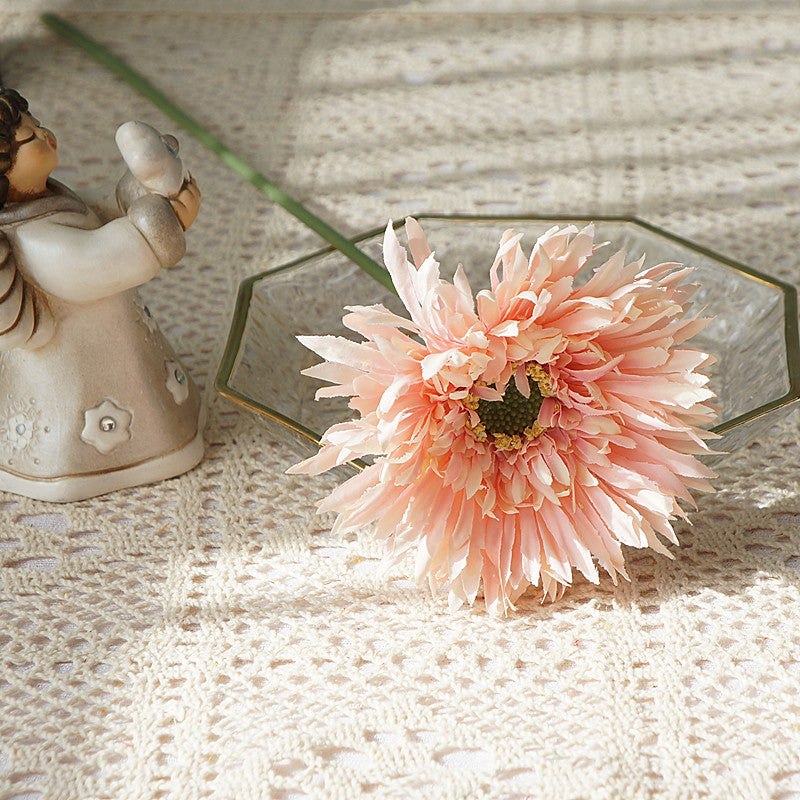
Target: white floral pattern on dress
(147,317)
(177,382)
(19,431)
(19,426)
(107,426)
(150,320)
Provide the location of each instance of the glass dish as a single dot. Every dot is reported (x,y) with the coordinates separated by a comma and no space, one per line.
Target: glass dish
(754,332)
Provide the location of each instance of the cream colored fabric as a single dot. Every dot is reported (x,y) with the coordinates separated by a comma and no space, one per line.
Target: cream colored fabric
(208,637)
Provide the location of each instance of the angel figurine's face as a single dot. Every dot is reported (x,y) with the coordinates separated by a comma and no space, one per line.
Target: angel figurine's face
(35,158)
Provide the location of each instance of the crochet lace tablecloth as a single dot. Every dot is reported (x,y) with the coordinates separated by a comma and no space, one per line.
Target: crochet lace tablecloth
(208,637)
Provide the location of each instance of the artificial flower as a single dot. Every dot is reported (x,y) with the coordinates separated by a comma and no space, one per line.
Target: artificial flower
(524,432)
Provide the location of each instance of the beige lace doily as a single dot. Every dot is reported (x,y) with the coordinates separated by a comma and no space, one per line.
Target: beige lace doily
(208,637)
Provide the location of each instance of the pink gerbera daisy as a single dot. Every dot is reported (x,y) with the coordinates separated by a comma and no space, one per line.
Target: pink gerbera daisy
(524,432)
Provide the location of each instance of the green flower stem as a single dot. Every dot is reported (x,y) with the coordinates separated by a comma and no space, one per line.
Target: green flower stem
(224,153)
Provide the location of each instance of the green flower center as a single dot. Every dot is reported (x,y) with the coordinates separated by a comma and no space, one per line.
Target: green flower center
(514,413)
(509,423)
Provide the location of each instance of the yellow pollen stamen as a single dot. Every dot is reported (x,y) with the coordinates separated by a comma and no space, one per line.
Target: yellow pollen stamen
(535,371)
(533,431)
(478,431)
(502,441)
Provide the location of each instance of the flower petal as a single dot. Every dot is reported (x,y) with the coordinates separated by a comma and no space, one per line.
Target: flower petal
(619,440)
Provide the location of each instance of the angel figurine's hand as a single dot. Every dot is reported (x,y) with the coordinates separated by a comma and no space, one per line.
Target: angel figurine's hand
(186,203)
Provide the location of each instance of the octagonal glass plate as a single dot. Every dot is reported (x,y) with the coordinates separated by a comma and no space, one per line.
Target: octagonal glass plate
(754,332)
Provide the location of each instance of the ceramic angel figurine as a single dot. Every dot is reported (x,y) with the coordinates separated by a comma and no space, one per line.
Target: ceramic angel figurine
(92,398)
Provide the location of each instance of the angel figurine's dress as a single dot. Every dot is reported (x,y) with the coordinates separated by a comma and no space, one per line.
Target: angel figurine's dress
(92,398)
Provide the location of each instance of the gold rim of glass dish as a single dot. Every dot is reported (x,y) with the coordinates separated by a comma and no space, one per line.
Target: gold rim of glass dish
(240,314)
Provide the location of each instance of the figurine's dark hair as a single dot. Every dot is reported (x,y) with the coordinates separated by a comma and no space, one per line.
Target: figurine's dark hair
(30,303)
(12,106)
